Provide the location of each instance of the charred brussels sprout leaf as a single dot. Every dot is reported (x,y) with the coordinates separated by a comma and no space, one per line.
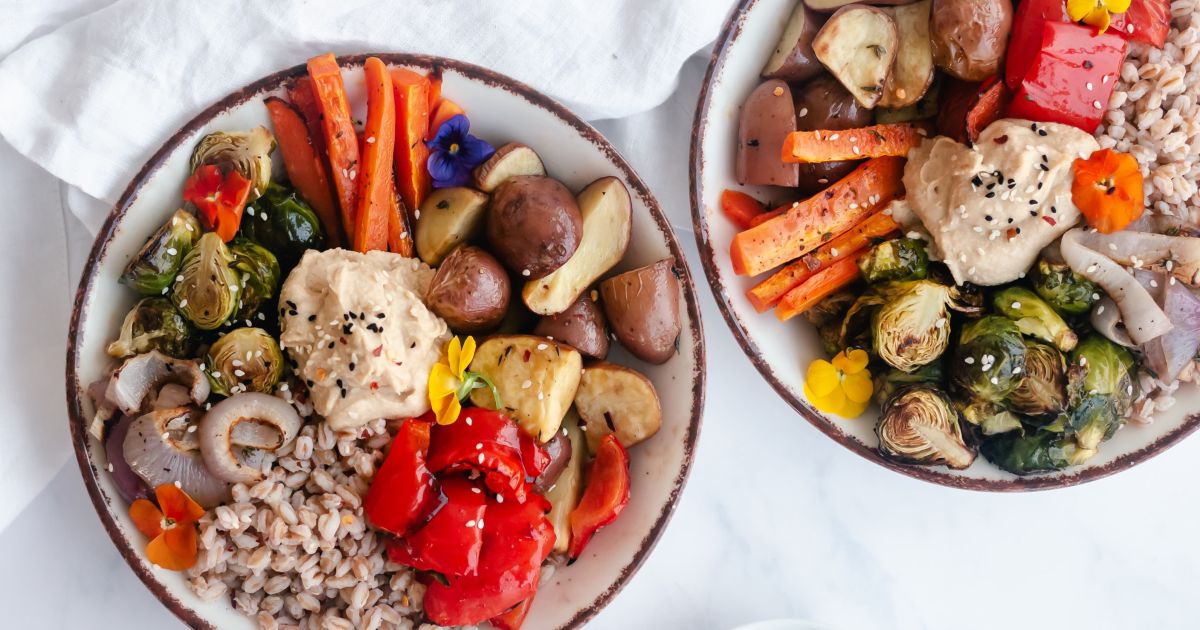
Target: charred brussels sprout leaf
(244,360)
(827,316)
(284,224)
(989,359)
(1025,454)
(1093,421)
(154,324)
(260,276)
(1034,317)
(1066,291)
(247,152)
(154,267)
(991,418)
(893,380)
(920,426)
(207,293)
(911,326)
(1042,389)
(897,259)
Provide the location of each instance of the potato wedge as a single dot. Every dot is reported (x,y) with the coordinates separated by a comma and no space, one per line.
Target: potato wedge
(793,58)
(607,212)
(508,161)
(568,488)
(615,399)
(581,326)
(448,218)
(535,377)
(858,44)
(767,117)
(829,6)
(912,71)
(642,307)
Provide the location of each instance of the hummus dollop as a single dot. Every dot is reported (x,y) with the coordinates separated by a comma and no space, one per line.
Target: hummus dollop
(360,335)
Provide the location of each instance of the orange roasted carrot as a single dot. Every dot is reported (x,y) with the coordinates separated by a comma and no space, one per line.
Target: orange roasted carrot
(767,216)
(399,233)
(852,144)
(413,92)
(340,138)
(768,292)
(375,204)
(305,169)
(435,88)
(305,100)
(740,208)
(821,285)
(811,222)
(445,110)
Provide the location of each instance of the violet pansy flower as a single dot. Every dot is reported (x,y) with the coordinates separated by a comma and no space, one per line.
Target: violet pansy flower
(454,153)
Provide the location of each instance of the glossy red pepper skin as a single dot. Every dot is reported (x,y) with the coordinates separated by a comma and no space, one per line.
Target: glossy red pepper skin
(1071,78)
(450,543)
(219,199)
(513,617)
(404,492)
(605,496)
(1146,21)
(489,442)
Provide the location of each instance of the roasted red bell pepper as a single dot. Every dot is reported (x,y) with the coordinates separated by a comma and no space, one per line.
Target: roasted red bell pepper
(488,441)
(1146,21)
(606,494)
(513,617)
(219,198)
(404,492)
(451,541)
(1071,77)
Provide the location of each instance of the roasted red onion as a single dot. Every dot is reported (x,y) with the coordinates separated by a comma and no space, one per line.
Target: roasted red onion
(162,447)
(242,426)
(129,485)
(1170,353)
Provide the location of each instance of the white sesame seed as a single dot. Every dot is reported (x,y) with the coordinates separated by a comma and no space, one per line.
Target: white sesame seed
(833,251)
(1016,305)
(183,303)
(527,384)
(525,272)
(835,136)
(370,139)
(471,523)
(1097,105)
(969,360)
(499,498)
(476,490)
(1089,86)
(481,458)
(172,251)
(995,380)
(479,446)
(542,346)
(469,420)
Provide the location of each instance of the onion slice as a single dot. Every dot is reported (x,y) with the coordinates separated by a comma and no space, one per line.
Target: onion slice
(143,374)
(161,447)
(249,420)
(1178,255)
(1143,318)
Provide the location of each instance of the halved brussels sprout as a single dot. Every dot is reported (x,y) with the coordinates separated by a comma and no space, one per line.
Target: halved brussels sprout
(889,382)
(897,259)
(284,224)
(1093,421)
(247,152)
(920,426)
(827,316)
(260,276)
(154,324)
(1101,367)
(991,418)
(153,268)
(989,359)
(244,360)
(206,291)
(1042,389)
(1064,290)
(911,327)
(1042,451)
(1034,317)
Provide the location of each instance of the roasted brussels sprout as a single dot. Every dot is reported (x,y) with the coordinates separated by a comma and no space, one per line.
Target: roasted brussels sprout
(1064,290)
(247,152)
(911,327)
(244,360)
(1042,389)
(827,316)
(897,259)
(1099,367)
(991,418)
(154,267)
(284,224)
(988,359)
(889,382)
(207,289)
(154,324)
(1042,451)
(1093,421)
(1034,317)
(920,426)
(260,276)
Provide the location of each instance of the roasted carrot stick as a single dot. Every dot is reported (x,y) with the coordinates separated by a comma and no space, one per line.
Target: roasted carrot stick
(435,88)
(819,218)
(446,109)
(412,123)
(375,204)
(768,292)
(305,169)
(400,240)
(340,138)
(740,208)
(302,96)
(822,284)
(852,144)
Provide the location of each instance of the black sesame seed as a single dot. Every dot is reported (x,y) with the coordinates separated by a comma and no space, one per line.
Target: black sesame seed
(332,344)
(351,366)
(340,384)
(348,329)
(1043,133)
(989,218)
(353,315)
(1053,210)
(1033,213)
(290,303)
(1010,219)
(380,315)
(293,313)
(990,195)
(1033,202)
(312,318)
(975,181)
(1039,185)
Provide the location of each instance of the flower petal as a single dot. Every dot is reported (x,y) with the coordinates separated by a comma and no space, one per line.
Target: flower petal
(175,549)
(1100,18)
(1079,9)
(447,411)
(146,517)
(851,361)
(177,505)
(465,357)
(475,151)
(1117,6)
(453,352)
(822,377)
(858,386)
(833,402)
(443,166)
(442,382)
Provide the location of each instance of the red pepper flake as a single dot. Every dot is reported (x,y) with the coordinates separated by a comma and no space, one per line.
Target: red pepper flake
(1050,220)
(1001,140)
(527,355)
(377,351)
(1012,233)
(374,385)
(342,340)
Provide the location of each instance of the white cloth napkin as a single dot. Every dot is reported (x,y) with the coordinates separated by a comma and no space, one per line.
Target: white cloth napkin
(93,87)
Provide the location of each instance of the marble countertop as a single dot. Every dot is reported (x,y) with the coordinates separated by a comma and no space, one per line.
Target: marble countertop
(777,520)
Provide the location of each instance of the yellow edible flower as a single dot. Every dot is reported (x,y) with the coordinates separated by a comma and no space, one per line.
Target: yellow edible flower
(1096,13)
(450,382)
(842,387)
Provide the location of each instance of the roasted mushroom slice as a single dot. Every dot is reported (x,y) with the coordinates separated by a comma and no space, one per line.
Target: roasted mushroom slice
(161,447)
(142,375)
(920,426)
(226,444)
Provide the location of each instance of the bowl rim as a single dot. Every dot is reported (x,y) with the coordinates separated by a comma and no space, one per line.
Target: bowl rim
(75,390)
(937,475)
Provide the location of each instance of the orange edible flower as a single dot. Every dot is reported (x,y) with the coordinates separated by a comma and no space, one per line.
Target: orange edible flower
(1108,190)
(171,527)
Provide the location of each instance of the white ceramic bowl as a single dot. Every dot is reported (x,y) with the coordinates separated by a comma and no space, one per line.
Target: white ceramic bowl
(782,351)
(501,110)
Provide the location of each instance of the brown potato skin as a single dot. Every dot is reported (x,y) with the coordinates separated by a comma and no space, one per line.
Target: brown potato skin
(533,225)
(642,307)
(801,63)
(830,6)
(970,37)
(830,107)
(581,326)
(470,290)
(767,117)
(559,450)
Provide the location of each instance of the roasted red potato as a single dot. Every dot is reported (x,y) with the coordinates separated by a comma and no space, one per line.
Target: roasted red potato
(768,116)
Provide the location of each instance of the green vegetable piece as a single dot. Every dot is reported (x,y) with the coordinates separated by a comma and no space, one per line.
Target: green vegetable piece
(1064,290)
(1042,389)
(1031,453)
(154,267)
(245,359)
(284,224)
(911,326)
(827,316)
(1093,421)
(1034,317)
(247,152)
(154,324)
(260,276)
(888,382)
(897,259)
(207,293)
(991,418)
(920,426)
(1099,367)
(988,359)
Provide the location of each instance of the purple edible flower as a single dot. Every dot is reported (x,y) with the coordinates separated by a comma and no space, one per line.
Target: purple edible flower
(454,153)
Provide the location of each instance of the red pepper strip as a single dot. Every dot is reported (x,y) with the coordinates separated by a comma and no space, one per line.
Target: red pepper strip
(404,492)
(516,540)
(219,199)
(491,443)
(513,618)
(1146,21)
(450,543)
(606,494)
(1026,41)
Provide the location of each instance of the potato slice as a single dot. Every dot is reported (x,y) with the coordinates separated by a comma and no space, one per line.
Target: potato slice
(793,59)
(912,71)
(568,488)
(607,220)
(766,119)
(448,218)
(642,308)
(508,161)
(535,377)
(616,399)
(858,44)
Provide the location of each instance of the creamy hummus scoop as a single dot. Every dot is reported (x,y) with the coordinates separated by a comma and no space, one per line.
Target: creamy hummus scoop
(991,208)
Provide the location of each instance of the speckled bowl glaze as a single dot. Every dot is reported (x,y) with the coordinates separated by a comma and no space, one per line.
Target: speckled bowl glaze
(782,351)
(502,109)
